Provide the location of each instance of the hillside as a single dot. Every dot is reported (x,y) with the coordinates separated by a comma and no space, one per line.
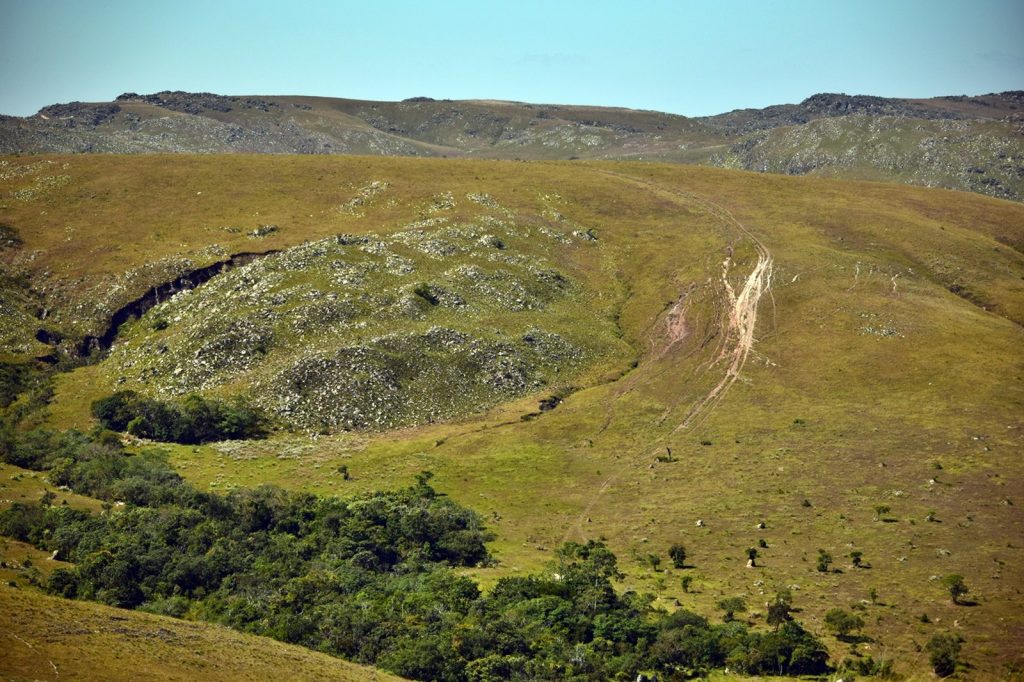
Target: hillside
(777,357)
(959,142)
(46,638)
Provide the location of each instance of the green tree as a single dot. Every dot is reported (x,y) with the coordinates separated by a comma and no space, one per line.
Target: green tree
(685,583)
(842,623)
(752,555)
(944,653)
(857,558)
(880,511)
(955,585)
(780,610)
(824,560)
(731,606)
(678,555)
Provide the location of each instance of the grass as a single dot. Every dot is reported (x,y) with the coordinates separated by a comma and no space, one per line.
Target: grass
(22,485)
(51,638)
(866,370)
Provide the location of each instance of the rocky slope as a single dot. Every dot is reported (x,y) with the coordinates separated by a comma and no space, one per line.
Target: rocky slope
(355,332)
(959,142)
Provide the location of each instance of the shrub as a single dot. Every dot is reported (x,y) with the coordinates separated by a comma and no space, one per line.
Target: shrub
(956,586)
(842,623)
(196,420)
(824,560)
(944,653)
(678,555)
(731,606)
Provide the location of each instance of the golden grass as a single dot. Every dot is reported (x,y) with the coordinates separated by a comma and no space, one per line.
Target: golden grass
(866,372)
(46,638)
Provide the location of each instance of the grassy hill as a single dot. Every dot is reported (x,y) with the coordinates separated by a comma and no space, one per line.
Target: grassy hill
(47,638)
(780,358)
(960,142)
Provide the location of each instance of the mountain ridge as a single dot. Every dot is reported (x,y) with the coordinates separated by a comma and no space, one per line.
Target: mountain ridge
(958,142)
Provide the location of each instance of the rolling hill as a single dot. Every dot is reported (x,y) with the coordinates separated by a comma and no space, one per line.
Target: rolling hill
(958,142)
(798,364)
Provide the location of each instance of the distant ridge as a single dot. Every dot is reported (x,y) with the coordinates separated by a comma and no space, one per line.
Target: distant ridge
(972,143)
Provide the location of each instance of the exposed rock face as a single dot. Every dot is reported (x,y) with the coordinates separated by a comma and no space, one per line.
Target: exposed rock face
(787,138)
(79,113)
(370,331)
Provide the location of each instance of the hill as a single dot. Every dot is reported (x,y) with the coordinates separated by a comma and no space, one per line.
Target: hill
(959,142)
(49,638)
(811,363)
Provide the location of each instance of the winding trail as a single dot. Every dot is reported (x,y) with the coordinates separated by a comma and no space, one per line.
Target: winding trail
(736,327)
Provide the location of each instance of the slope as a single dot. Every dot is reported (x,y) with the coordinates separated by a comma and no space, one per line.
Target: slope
(881,370)
(970,143)
(48,638)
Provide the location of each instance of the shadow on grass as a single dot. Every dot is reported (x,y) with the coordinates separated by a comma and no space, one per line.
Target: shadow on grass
(855,639)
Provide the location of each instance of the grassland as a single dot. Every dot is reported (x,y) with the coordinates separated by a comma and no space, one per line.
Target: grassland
(886,370)
(46,638)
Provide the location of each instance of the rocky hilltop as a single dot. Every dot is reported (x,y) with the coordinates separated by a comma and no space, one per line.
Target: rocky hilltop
(958,142)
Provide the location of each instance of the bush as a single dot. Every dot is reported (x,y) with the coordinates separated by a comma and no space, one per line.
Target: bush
(196,420)
(842,623)
(678,555)
(956,586)
(944,653)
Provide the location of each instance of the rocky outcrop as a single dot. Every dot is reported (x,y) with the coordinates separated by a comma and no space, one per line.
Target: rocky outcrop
(176,121)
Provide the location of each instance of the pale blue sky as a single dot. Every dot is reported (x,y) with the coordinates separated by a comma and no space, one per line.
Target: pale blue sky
(686,57)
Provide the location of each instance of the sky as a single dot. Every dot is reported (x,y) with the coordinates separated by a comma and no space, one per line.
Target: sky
(691,57)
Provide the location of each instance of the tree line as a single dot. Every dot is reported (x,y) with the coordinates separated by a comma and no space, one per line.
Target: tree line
(370,578)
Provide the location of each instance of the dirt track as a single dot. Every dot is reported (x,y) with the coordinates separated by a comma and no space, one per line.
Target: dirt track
(737,323)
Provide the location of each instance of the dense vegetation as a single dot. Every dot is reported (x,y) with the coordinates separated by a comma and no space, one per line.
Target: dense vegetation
(369,578)
(196,420)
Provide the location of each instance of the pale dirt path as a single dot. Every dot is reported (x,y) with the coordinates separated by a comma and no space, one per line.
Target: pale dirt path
(736,338)
(740,320)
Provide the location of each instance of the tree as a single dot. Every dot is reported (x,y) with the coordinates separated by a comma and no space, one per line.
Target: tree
(880,511)
(678,555)
(780,610)
(842,623)
(856,558)
(685,582)
(956,586)
(824,559)
(732,605)
(944,653)
(752,555)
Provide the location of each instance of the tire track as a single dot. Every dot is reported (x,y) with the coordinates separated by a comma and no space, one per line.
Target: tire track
(737,324)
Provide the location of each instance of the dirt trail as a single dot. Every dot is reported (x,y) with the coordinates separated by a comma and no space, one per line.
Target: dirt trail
(735,338)
(740,320)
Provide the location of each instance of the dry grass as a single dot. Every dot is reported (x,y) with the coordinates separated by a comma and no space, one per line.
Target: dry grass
(866,372)
(46,638)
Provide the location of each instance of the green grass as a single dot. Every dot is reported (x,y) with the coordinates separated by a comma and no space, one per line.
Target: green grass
(855,388)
